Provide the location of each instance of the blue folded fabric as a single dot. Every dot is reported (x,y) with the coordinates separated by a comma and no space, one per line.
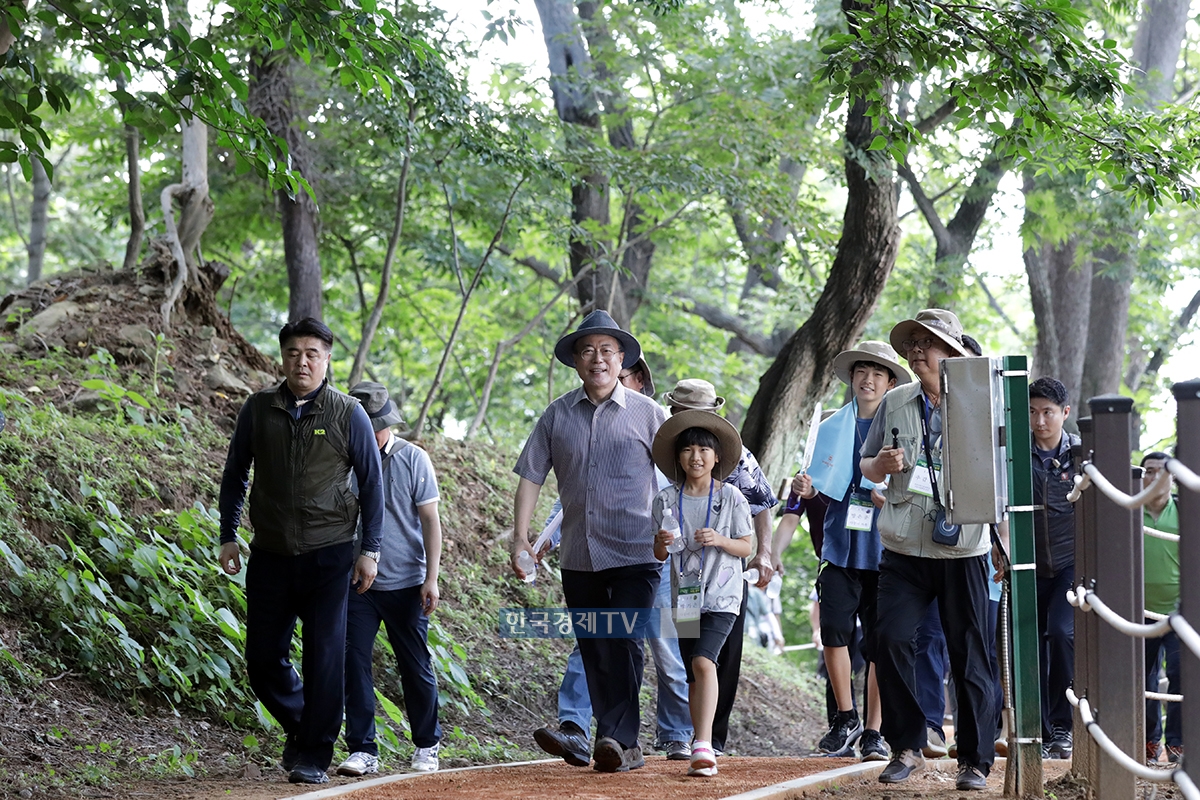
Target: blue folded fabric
(835,454)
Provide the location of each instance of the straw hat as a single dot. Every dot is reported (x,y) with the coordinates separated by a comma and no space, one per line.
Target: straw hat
(694,393)
(663,449)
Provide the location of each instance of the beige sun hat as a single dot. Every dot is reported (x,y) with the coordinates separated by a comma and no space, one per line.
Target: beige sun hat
(663,449)
(876,352)
(937,322)
(694,393)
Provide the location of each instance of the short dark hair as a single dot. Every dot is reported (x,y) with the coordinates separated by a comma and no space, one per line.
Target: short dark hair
(1157,455)
(872,365)
(970,344)
(701,437)
(309,326)
(1049,389)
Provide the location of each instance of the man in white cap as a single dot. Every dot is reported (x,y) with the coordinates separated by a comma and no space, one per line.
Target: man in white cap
(925,559)
(597,439)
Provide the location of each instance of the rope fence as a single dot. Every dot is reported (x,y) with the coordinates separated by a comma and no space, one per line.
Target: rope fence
(1176,775)
(1109,557)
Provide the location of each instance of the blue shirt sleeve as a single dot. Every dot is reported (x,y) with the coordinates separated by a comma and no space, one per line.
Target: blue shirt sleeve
(236,476)
(368,469)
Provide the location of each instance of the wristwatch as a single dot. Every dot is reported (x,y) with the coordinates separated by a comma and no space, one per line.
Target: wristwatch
(371,554)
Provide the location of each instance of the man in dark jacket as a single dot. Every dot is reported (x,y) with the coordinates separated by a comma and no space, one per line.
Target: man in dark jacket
(1054,541)
(304,437)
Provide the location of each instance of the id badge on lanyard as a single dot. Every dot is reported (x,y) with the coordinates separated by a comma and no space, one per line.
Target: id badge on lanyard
(687,602)
(920,482)
(860,514)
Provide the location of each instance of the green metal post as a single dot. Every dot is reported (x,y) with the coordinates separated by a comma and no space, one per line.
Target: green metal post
(1027,715)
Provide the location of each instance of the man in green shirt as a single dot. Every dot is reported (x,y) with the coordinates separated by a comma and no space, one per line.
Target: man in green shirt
(1161,559)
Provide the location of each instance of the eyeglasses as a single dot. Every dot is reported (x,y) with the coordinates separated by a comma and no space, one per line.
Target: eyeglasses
(908,345)
(604,353)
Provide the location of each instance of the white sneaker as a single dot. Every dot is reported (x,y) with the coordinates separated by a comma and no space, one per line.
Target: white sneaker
(425,759)
(359,764)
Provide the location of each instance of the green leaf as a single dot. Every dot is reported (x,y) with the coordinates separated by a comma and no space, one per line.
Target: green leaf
(880,142)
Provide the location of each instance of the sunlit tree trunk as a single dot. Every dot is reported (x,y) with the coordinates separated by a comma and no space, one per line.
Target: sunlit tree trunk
(39,214)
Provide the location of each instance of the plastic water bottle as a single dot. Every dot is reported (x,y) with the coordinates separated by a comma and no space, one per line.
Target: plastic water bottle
(669,523)
(774,586)
(528,565)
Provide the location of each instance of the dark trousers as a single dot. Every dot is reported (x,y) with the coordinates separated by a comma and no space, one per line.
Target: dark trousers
(1056,630)
(1156,649)
(729,672)
(613,666)
(407,631)
(907,585)
(310,587)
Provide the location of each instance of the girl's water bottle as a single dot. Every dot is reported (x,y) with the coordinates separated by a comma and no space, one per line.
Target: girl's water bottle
(669,523)
(528,565)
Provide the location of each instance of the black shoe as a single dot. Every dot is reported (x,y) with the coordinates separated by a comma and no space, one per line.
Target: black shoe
(871,746)
(290,756)
(1059,745)
(844,732)
(610,756)
(904,763)
(569,743)
(970,778)
(307,773)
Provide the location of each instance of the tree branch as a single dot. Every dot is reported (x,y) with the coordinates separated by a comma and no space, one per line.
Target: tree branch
(719,318)
(996,305)
(927,125)
(922,201)
(541,268)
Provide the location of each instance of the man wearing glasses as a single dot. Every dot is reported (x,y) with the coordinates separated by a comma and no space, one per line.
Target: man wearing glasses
(925,560)
(597,439)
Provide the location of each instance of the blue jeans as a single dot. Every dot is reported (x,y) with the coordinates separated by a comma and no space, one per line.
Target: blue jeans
(674,718)
(930,668)
(1167,645)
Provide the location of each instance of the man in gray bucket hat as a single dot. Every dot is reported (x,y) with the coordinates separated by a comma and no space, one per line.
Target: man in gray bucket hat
(597,438)
(403,597)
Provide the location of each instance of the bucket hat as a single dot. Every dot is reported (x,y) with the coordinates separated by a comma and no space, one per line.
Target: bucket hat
(937,322)
(876,352)
(598,322)
(378,405)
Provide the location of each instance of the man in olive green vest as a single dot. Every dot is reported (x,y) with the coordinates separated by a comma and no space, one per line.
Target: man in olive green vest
(926,560)
(303,438)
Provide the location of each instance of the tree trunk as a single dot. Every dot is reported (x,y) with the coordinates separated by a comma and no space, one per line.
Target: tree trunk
(38,216)
(272,99)
(1082,316)
(866,253)
(196,211)
(137,212)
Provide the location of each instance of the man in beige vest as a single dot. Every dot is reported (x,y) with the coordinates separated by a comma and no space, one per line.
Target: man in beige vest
(925,560)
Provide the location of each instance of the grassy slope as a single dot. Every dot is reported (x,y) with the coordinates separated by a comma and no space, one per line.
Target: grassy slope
(112,601)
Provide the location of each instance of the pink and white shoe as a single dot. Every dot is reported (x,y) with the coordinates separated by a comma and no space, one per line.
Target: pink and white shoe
(704,761)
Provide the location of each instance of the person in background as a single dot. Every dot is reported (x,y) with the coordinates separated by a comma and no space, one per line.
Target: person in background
(1054,555)
(1161,576)
(402,598)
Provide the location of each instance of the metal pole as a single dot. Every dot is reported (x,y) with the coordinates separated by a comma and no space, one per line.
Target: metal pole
(1187,450)
(1085,755)
(1122,666)
(1027,712)
(1138,569)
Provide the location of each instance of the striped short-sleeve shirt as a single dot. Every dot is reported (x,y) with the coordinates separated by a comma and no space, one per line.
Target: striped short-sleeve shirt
(600,455)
